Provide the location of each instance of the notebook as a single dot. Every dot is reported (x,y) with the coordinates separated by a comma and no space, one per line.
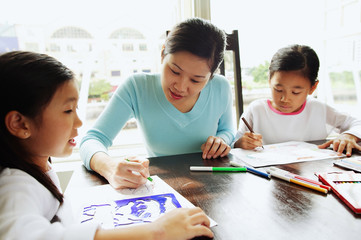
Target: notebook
(346,185)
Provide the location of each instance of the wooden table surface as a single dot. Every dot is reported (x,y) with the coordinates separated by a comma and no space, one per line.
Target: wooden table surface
(247,206)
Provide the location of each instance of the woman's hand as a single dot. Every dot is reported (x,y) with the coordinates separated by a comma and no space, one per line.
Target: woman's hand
(343,142)
(182,223)
(249,141)
(125,173)
(215,147)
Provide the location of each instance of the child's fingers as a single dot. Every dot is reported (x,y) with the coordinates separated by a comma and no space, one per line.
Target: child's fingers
(248,142)
(201,230)
(325,145)
(349,150)
(255,140)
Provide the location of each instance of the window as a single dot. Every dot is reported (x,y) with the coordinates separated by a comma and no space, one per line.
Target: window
(330,27)
(128,47)
(102,43)
(105,43)
(143,47)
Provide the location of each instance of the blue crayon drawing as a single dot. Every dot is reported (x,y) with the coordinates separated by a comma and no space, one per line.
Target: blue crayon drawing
(130,211)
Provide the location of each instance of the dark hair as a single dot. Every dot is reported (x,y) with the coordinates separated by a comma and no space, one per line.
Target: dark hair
(296,58)
(28,82)
(200,38)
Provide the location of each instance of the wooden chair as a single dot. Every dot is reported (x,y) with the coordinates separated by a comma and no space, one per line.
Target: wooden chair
(233,46)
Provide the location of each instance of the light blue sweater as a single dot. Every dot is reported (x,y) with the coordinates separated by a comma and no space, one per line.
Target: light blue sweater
(166,130)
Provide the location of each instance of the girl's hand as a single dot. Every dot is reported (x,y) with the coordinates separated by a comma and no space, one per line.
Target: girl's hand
(215,147)
(182,223)
(127,173)
(343,142)
(249,141)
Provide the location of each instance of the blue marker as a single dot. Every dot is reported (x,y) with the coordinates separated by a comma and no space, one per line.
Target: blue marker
(252,170)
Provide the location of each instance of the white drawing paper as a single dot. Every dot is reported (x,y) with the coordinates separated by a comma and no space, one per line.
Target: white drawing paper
(283,153)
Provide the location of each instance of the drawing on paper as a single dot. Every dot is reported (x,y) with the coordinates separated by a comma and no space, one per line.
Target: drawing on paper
(283,153)
(145,189)
(130,211)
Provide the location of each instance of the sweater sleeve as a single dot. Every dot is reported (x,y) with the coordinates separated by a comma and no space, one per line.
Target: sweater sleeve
(226,128)
(344,123)
(118,111)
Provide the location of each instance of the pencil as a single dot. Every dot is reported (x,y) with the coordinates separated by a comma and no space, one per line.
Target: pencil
(282,176)
(249,127)
(247,124)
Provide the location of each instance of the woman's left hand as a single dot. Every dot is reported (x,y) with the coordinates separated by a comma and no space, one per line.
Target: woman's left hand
(214,147)
(343,142)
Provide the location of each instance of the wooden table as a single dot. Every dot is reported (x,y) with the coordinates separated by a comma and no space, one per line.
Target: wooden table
(247,206)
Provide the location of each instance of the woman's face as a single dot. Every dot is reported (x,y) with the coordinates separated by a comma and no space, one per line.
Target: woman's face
(184,75)
(290,90)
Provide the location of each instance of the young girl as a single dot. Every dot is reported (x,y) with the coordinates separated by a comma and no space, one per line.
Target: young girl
(39,120)
(291,114)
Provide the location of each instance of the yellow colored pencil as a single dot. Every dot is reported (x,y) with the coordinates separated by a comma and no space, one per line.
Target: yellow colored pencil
(320,189)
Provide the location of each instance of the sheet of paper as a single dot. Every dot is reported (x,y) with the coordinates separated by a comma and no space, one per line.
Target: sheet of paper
(283,153)
(116,208)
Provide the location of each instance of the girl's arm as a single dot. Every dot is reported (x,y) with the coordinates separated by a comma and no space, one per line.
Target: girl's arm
(343,142)
(181,223)
(349,128)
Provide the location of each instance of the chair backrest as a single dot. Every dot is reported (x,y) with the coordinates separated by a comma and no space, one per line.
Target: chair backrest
(233,46)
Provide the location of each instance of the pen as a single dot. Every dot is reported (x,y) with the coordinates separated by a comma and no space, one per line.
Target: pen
(249,126)
(217,169)
(252,170)
(302,178)
(282,176)
(149,178)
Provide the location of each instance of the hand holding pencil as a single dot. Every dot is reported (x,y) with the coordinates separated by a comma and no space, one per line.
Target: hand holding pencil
(250,140)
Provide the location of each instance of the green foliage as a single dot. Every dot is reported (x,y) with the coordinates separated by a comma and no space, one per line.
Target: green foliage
(99,89)
(342,80)
(260,74)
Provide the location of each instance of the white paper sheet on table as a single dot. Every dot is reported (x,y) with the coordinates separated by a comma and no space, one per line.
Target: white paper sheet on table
(283,153)
(105,196)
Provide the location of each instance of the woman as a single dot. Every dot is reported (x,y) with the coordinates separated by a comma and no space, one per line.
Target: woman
(184,109)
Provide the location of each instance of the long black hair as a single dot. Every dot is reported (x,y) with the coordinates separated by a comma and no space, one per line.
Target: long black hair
(28,81)
(296,58)
(200,38)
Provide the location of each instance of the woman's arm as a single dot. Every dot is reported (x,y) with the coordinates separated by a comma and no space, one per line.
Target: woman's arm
(94,145)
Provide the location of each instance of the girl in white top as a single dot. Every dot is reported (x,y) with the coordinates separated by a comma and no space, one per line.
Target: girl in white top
(291,114)
(38,119)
